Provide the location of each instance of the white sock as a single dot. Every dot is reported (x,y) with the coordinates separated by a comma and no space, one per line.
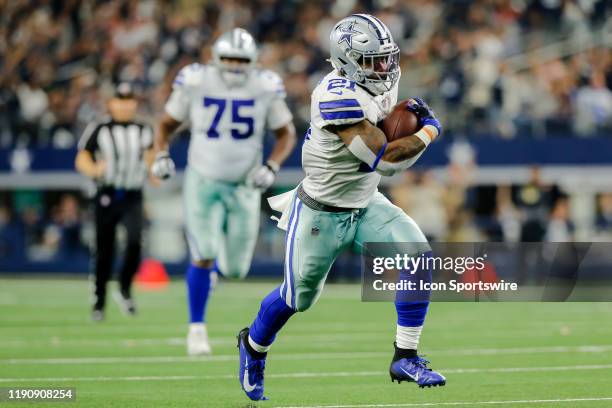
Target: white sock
(197,327)
(408,337)
(257,347)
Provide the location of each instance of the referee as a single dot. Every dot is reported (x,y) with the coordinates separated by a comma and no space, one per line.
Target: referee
(114,153)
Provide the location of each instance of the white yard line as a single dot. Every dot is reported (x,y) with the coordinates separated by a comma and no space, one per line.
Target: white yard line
(305,356)
(455,403)
(57,341)
(178,359)
(307,374)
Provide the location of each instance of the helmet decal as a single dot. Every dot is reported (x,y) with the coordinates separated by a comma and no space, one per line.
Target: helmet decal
(348,31)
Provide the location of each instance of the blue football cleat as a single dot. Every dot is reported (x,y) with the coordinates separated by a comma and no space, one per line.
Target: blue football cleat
(415,370)
(251,372)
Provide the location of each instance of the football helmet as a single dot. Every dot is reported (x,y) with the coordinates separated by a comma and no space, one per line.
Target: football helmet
(236,44)
(363,50)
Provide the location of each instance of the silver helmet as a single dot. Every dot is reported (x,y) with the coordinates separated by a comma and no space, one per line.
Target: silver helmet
(235,44)
(363,50)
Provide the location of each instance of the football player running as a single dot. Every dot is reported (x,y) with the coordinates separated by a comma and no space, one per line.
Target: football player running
(337,206)
(229,103)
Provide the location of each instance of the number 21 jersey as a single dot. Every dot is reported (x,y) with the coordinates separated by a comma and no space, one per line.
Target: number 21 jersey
(334,176)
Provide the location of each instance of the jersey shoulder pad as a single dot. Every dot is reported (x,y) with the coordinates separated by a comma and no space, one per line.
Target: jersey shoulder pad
(189,75)
(338,101)
(271,82)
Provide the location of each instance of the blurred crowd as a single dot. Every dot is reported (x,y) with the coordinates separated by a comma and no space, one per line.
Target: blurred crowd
(535,211)
(43,226)
(53,226)
(506,68)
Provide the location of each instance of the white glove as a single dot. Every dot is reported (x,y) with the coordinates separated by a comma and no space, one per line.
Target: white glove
(263,177)
(163,166)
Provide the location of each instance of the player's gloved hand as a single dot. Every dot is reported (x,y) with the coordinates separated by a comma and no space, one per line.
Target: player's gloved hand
(425,114)
(263,177)
(163,166)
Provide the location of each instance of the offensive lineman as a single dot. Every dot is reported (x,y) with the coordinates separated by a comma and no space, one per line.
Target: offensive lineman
(229,103)
(337,205)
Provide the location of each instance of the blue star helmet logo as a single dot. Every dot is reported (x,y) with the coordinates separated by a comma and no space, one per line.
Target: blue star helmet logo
(348,31)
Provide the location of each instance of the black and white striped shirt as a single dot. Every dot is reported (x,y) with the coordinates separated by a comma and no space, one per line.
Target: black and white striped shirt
(122,146)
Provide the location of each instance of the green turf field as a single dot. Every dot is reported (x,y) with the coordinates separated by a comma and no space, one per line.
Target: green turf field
(336,354)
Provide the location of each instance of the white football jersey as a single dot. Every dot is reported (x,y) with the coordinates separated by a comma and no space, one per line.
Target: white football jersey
(227,123)
(334,176)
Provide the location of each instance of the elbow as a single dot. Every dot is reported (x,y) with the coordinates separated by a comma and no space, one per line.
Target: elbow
(385,172)
(386,168)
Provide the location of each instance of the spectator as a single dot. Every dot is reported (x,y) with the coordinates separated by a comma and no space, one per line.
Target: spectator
(468,57)
(534,200)
(424,201)
(603,223)
(560,228)
(593,105)
(66,224)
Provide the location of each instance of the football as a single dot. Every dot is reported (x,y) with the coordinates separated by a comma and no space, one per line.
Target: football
(400,122)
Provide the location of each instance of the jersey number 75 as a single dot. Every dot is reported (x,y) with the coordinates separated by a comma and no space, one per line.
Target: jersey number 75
(237,118)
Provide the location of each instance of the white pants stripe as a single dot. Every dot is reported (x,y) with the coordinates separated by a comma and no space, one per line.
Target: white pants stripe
(290,233)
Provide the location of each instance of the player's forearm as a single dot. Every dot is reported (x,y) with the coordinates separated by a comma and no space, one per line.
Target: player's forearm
(149,156)
(164,131)
(365,133)
(285,142)
(402,153)
(162,137)
(403,149)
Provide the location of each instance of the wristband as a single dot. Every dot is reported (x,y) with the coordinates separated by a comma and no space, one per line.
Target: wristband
(272,165)
(427,134)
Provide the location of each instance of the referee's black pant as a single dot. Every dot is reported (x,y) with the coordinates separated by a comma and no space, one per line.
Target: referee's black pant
(111,208)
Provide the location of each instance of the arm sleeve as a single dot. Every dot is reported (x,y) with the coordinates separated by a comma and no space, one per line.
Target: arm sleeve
(89,139)
(178,102)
